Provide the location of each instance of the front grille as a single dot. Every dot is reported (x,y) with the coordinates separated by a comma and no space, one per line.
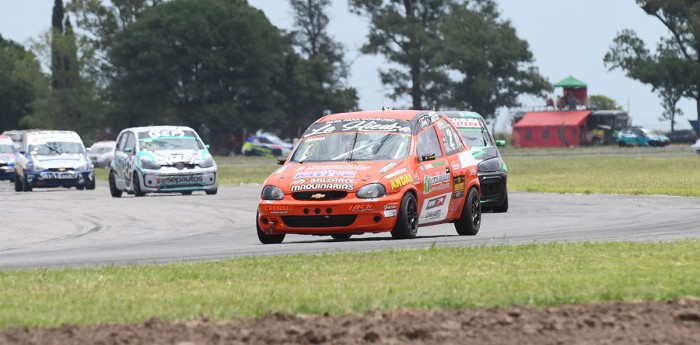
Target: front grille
(59,169)
(319,195)
(319,221)
(181,166)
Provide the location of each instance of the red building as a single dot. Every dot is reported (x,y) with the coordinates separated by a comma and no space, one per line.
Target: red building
(551,129)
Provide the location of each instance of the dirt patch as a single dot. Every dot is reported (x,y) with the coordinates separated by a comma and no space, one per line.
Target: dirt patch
(673,322)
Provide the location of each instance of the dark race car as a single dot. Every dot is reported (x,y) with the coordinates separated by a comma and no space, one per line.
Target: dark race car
(493,172)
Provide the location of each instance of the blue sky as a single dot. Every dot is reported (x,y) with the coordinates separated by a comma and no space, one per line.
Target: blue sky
(566,37)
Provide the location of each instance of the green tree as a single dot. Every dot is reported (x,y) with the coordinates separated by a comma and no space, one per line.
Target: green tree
(405,32)
(18,68)
(319,76)
(678,52)
(206,64)
(600,102)
(453,53)
(494,66)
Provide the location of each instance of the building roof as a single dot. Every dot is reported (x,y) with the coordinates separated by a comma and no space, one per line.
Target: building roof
(552,118)
(571,83)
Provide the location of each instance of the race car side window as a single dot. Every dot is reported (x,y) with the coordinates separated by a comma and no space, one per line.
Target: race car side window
(131,142)
(121,144)
(428,144)
(450,138)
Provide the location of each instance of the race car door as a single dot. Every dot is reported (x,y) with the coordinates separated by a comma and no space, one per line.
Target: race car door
(453,146)
(435,177)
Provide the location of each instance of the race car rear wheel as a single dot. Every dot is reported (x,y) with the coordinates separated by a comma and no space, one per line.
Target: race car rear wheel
(136,183)
(113,190)
(341,237)
(265,238)
(470,221)
(407,222)
(212,192)
(187,192)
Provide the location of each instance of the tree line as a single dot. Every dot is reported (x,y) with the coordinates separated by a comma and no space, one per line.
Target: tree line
(222,68)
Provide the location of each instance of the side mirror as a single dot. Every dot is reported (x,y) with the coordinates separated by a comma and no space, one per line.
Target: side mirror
(428,157)
(280,160)
(500,143)
(128,149)
(207,146)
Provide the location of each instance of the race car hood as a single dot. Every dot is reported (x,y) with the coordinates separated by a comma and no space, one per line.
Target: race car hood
(171,157)
(59,161)
(483,153)
(347,176)
(7,157)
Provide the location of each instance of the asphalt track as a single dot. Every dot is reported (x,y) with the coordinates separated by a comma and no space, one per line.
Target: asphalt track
(56,228)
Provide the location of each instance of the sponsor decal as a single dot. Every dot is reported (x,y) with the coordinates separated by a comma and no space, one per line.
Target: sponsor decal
(58,175)
(436,202)
(435,182)
(297,182)
(333,167)
(401,181)
(332,180)
(157,133)
(472,171)
(458,186)
(387,167)
(360,125)
(466,159)
(164,180)
(432,165)
(276,209)
(466,122)
(323,186)
(174,158)
(361,207)
(397,173)
(389,211)
(435,209)
(326,173)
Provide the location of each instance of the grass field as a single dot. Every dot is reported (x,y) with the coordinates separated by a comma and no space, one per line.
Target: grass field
(434,278)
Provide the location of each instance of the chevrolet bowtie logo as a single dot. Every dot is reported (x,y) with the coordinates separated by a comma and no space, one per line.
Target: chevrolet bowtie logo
(318,196)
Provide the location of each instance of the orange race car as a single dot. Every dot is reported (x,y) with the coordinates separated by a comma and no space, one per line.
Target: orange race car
(375,171)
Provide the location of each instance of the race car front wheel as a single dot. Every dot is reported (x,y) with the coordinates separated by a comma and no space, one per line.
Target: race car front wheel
(136,183)
(265,238)
(407,223)
(25,183)
(18,184)
(113,190)
(470,221)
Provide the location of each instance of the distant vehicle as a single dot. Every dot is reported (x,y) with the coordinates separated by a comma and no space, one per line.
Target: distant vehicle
(274,139)
(696,147)
(161,159)
(683,136)
(262,145)
(7,158)
(15,136)
(493,172)
(101,153)
(371,172)
(52,159)
(638,136)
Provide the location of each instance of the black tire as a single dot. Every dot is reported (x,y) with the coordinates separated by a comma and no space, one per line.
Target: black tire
(18,184)
(187,192)
(502,208)
(113,190)
(80,187)
(265,238)
(212,192)
(469,222)
(91,185)
(136,184)
(341,237)
(26,187)
(407,222)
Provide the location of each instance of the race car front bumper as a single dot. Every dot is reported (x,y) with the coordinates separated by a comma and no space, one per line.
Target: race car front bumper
(51,178)
(169,180)
(493,187)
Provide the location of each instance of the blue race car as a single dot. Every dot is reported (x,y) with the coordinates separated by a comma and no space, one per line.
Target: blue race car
(51,159)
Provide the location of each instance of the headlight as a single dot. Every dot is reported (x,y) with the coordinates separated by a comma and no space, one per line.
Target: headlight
(207,163)
(272,193)
(86,166)
(37,168)
(493,164)
(149,164)
(370,191)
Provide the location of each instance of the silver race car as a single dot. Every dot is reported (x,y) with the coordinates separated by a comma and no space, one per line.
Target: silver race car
(161,159)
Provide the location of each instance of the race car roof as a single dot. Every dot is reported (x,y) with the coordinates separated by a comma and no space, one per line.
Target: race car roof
(552,118)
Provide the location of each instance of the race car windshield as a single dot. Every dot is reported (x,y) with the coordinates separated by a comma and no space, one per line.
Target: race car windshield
(100,150)
(6,149)
(54,148)
(161,144)
(473,137)
(357,146)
